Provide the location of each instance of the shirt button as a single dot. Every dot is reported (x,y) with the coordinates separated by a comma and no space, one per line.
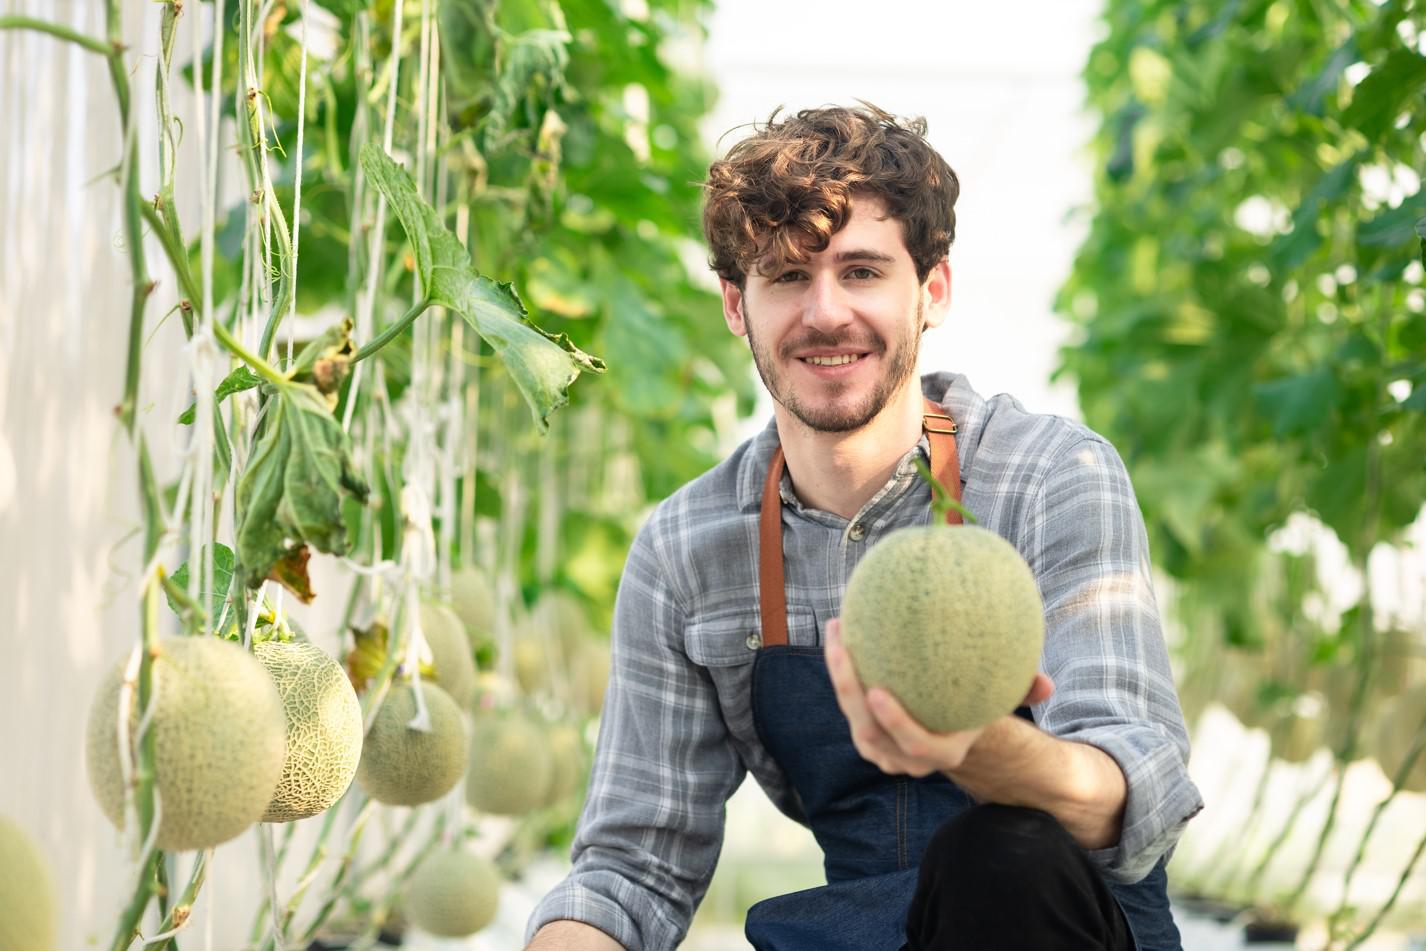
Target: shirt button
(857,532)
(754,642)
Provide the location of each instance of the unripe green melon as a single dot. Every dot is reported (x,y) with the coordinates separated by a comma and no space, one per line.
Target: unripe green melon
(28,916)
(450,652)
(473,599)
(949,620)
(402,766)
(589,676)
(562,616)
(453,893)
(510,768)
(1397,725)
(531,660)
(220,738)
(324,728)
(567,761)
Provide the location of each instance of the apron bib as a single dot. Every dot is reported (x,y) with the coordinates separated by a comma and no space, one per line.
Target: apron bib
(872,828)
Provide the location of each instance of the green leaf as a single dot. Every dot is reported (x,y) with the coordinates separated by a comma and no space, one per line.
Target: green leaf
(1297,246)
(1299,403)
(1393,227)
(291,494)
(1386,92)
(240,379)
(1309,96)
(223,564)
(543,365)
(1421,234)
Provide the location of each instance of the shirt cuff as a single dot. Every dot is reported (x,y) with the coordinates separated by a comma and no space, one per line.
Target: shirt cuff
(1160,799)
(586,897)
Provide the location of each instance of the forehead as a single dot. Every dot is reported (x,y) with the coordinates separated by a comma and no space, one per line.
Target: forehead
(870,233)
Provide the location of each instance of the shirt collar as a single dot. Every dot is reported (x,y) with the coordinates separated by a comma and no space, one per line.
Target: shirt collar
(951,390)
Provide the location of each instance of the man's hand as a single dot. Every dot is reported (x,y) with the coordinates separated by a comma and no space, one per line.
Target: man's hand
(1009,760)
(889,737)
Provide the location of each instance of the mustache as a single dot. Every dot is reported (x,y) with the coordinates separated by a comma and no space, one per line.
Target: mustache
(818,340)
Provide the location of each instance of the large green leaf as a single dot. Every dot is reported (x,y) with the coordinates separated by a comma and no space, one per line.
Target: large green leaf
(291,494)
(543,365)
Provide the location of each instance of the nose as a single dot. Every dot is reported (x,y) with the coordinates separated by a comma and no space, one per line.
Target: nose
(826,306)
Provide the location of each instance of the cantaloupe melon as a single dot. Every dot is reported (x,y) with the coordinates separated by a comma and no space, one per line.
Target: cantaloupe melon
(324,728)
(510,768)
(949,620)
(28,914)
(453,893)
(473,599)
(220,739)
(589,676)
(450,651)
(402,766)
(567,761)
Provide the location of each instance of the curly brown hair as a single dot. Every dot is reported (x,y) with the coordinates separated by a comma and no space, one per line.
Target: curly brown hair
(780,194)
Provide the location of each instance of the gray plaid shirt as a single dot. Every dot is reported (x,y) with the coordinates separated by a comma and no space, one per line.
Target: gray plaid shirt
(677,735)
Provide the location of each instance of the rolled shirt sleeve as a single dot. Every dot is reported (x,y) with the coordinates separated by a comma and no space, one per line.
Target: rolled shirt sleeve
(652,826)
(1105,651)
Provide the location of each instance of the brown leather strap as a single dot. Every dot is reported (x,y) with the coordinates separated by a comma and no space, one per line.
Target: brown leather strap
(940,430)
(772,586)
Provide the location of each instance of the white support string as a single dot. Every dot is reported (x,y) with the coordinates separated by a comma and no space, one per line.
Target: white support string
(367,303)
(297,181)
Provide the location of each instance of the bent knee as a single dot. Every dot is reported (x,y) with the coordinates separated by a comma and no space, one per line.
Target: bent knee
(1000,838)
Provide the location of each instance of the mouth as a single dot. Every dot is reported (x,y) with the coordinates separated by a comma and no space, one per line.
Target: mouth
(832,360)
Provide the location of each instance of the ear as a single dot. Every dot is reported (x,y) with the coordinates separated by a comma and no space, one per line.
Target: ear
(733,313)
(937,294)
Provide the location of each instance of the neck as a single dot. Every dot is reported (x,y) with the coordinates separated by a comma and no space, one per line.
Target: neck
(839,472)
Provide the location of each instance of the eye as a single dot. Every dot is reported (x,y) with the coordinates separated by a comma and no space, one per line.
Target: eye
(787,277)
(862,274)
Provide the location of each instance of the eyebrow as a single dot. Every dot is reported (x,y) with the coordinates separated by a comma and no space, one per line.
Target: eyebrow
(864,255)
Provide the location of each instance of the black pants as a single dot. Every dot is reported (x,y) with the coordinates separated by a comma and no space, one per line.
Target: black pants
(1028,887)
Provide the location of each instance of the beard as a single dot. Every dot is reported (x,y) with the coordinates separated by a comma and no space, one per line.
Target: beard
(830,414)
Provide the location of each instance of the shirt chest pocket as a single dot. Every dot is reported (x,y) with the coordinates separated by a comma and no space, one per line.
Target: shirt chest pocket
(732,638)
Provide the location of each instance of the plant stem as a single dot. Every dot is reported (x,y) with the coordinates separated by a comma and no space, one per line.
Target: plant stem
(1385,909)
(393,331)
(183,908)
(234,346)
(58,30)
(1398,779)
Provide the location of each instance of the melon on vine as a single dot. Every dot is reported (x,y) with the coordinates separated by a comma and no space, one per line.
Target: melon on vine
(473,599)
(220,739)
(453,893)
(450,651)
(28,913)
(510,768)
(405,766)
(324,729)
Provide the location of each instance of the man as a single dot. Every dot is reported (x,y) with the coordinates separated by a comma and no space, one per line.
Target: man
(830,232)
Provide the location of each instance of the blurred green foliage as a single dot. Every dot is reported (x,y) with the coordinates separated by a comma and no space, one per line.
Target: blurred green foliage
(1249,296)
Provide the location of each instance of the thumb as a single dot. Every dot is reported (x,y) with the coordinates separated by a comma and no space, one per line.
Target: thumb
(1040,689)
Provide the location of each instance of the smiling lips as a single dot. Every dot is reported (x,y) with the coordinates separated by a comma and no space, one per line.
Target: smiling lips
(837,360)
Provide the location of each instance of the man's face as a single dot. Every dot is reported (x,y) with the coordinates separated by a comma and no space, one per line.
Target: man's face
(835,338)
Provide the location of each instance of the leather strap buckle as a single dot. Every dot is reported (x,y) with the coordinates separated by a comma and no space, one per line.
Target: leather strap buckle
(927,427)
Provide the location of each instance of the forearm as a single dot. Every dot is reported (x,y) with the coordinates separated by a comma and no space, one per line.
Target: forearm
(1014,762)
(572,936)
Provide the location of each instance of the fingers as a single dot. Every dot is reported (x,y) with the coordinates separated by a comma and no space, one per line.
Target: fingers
(868,737)
(1040,689)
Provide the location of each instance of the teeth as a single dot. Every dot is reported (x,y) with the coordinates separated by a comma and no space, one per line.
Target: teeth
(832,361)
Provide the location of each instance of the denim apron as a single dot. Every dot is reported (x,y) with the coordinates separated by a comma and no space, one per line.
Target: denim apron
(872,828)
